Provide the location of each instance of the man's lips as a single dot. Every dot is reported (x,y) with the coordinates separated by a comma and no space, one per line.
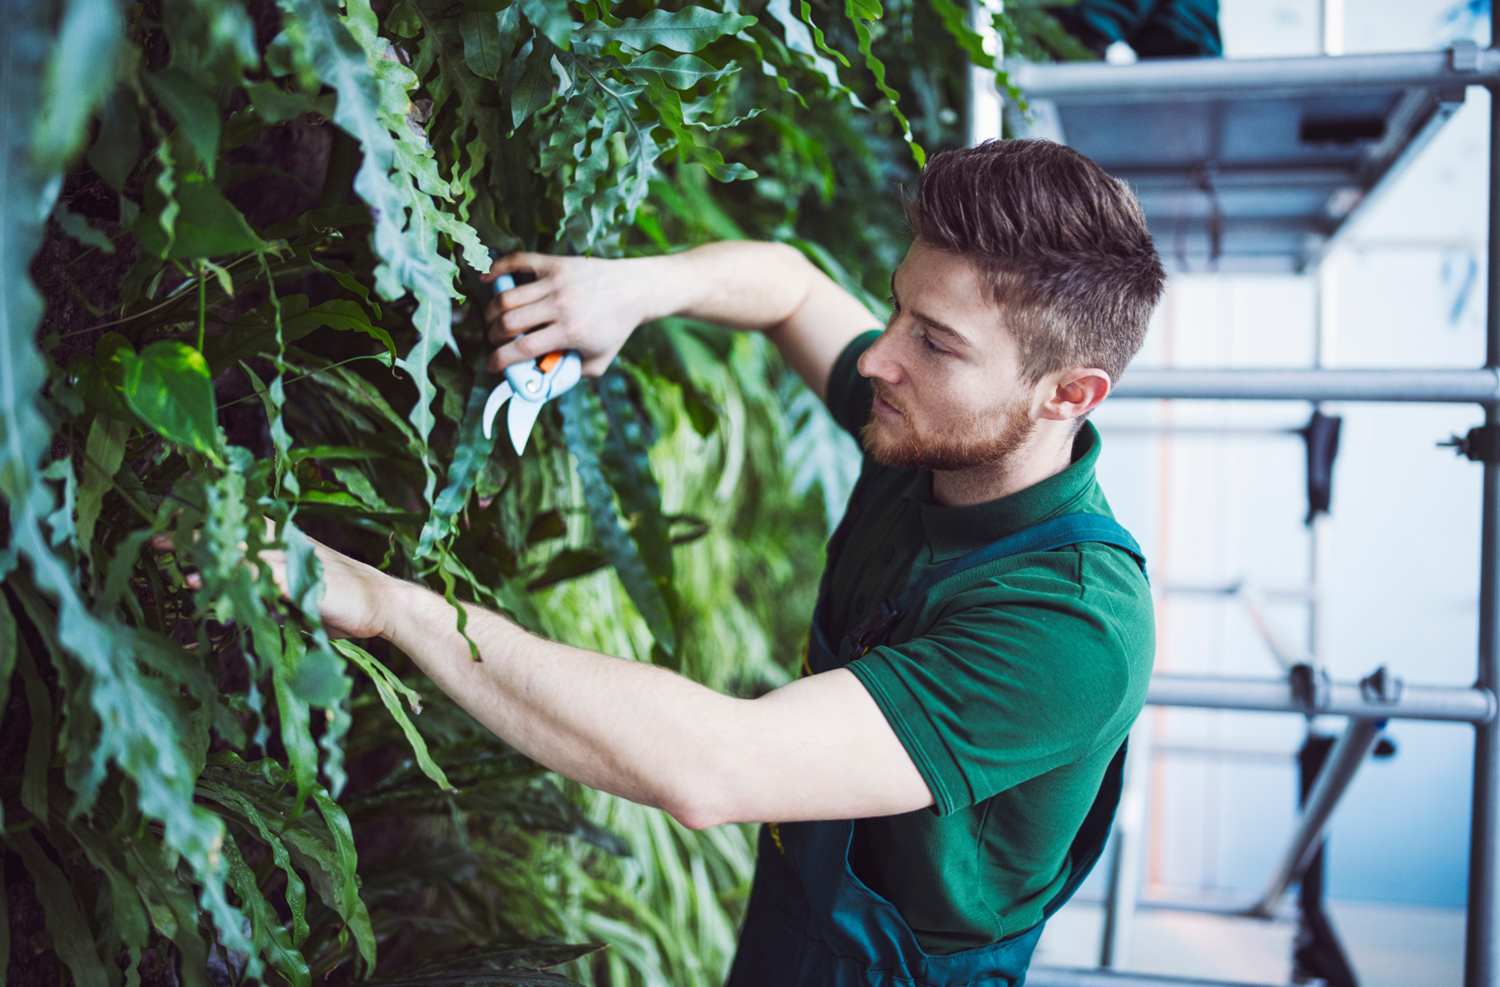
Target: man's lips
(884,407)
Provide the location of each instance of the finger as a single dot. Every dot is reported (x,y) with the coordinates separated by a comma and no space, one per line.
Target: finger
(522,294)
(523,320)
(528,347)
(517,297)
(539,264)
(162,542)
(598,365)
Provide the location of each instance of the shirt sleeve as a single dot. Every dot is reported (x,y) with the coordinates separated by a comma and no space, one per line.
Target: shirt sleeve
(849,394)
(1016,677)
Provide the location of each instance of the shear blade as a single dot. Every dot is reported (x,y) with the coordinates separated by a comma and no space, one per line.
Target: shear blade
(498,396)
(520,418)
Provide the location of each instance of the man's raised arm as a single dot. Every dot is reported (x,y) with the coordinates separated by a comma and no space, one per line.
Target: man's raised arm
(593,305)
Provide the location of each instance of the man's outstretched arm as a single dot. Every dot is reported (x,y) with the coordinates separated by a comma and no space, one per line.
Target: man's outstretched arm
(818,748)
(593,305)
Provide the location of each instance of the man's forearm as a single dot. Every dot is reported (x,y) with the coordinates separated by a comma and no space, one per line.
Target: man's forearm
(628,728)
(770,288)
(818,748)
(739,284)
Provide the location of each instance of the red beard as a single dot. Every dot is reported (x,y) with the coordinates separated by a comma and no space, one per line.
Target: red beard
(979,441)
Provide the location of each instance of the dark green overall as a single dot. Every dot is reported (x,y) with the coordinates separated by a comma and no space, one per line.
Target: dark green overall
(812,923)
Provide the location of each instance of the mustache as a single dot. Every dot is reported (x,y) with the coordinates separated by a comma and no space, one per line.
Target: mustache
(883,392)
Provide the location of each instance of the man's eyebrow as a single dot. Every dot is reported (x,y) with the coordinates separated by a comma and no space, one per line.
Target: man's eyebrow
(941,327)
(932,323)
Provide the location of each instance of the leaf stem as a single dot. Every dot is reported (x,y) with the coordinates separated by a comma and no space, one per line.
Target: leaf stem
(202,304)
(175,296)
(128,318)
(310,373)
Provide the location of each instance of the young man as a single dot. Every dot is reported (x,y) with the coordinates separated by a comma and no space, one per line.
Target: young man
(974,725)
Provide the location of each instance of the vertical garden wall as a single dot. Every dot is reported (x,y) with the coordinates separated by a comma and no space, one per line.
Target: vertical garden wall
(238,308)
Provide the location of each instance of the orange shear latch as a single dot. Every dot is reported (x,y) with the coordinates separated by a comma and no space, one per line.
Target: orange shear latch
(546,363)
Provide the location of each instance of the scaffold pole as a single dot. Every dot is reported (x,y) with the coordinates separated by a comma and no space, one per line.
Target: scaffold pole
(1482,937)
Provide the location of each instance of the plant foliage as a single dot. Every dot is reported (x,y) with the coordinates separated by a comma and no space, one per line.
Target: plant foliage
(238,307)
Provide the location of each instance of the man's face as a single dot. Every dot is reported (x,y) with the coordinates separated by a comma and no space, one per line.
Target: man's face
(946,372)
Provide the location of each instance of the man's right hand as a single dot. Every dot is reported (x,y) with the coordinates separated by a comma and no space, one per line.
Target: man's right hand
(592,306)
(575,303)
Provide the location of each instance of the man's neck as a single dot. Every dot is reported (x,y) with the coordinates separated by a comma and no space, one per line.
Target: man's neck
(1046,452)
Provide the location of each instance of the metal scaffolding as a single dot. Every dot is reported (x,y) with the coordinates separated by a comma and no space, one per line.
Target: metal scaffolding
(1252,164)
(1214,102)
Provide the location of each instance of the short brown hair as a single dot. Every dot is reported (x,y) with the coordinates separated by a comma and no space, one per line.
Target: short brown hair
(1064,245)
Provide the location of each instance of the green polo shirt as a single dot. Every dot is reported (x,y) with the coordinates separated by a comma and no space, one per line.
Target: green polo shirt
(1011,688)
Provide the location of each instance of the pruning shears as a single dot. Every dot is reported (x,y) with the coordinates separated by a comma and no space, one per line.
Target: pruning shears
(530,384)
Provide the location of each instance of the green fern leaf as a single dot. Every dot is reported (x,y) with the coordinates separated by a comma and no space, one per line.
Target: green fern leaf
(687,30)
(582,427)
(861,13)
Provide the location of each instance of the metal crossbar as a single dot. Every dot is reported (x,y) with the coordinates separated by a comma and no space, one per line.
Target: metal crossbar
(1153,80)
(1414,702)
(1043,976)
(1480,386)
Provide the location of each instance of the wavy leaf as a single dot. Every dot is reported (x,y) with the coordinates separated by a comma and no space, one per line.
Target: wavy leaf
(132,728)
(687,30)
(861,13)
(392,690)
(410,261)
(8,643)
(266,931)
(71,935)
(126,918)
(75,86)
(470,454)
(582,421)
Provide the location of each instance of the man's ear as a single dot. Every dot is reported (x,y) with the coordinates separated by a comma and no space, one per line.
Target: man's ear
(1068,394)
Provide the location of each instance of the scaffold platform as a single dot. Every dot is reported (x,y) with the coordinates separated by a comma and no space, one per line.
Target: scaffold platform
(1253,164)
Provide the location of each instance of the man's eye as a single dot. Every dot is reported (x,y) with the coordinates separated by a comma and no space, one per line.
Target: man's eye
(926,339)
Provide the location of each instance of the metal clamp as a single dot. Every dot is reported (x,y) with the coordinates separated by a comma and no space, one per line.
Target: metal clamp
(1380,686)
(1311,687)
(1481,445)
(1464,56)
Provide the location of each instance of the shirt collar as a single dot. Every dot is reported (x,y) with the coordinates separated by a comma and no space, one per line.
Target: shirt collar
(953,531)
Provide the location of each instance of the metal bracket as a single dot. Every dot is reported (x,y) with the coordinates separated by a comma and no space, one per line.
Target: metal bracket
(1311,687)
(1481,445)
(1380,686)
(1464,56)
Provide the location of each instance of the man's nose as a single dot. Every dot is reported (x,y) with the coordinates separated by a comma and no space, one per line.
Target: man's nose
(877,360)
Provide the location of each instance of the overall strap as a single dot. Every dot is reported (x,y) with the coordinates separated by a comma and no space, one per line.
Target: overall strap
(1068,529)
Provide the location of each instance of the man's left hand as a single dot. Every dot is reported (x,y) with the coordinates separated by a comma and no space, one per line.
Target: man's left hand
(356,599)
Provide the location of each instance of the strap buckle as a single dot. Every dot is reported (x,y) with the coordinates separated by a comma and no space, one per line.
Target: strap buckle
(873,629)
